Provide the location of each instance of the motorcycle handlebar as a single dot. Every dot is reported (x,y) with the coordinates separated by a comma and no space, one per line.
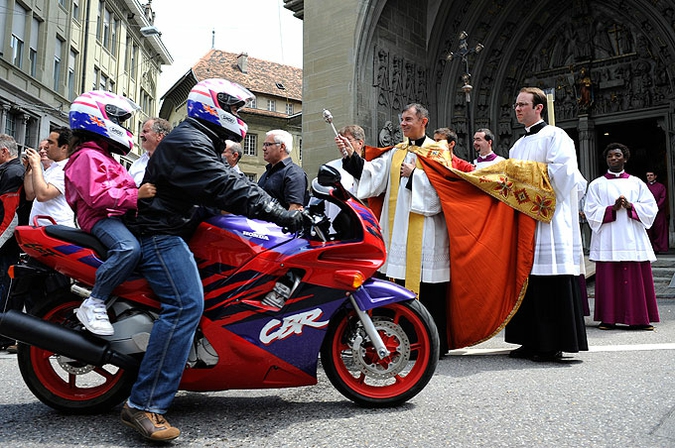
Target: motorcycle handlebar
(311,226)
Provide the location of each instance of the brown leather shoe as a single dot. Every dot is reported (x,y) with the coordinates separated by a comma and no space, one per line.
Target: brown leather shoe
(150,425)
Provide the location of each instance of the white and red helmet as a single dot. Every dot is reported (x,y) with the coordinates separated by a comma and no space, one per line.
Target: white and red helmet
(217,101)
(103,113)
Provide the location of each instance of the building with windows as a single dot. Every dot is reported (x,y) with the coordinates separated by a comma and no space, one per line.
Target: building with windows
(51,51)
(278,103)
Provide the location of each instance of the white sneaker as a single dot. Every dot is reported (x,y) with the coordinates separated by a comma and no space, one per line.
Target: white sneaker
(94,317)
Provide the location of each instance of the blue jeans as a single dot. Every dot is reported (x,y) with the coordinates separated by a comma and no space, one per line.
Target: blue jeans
(171,270)
(124,252)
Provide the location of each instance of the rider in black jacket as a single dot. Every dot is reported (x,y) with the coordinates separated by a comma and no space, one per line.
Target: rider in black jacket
(189,174)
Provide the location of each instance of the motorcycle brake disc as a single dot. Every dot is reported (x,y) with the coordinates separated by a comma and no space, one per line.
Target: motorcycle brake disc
(73,366)
(370,364)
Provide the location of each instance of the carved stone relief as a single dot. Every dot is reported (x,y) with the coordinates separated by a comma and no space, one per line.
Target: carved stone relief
(398,82)
(620,82)
(598,62)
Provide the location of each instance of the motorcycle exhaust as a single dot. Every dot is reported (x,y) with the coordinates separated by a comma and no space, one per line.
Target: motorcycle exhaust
(64,341)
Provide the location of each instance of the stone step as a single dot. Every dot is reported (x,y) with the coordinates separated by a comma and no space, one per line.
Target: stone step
(663,271)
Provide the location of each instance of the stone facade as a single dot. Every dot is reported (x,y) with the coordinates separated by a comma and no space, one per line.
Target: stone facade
(610,65)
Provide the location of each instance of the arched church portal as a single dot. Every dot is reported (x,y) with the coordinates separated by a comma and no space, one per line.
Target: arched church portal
(610,65)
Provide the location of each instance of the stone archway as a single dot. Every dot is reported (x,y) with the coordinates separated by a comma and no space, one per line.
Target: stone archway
(602,60)
(608,62)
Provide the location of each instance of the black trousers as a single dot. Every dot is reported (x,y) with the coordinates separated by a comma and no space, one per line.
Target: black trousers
(551,316)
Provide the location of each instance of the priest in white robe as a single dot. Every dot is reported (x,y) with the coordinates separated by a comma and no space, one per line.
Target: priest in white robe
(412,221)
(550,319)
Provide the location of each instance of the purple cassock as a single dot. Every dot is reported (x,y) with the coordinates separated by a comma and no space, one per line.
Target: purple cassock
(658,233)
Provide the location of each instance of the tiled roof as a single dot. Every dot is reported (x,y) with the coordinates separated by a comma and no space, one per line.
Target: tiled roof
(260,77)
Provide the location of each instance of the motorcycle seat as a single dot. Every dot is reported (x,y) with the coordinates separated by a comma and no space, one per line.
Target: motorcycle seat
(79,237)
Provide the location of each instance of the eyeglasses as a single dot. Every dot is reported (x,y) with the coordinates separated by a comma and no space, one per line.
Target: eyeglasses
(516,105)
(267,144)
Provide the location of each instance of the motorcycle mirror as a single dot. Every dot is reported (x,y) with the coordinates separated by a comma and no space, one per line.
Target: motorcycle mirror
(328,176)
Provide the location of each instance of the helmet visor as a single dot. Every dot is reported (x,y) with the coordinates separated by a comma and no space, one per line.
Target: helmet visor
(119,113)
(230,103)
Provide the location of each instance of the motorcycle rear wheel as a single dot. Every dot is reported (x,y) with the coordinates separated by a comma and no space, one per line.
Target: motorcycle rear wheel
(353,367)
(66,384)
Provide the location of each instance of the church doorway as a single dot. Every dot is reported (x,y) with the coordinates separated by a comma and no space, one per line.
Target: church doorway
(647,143)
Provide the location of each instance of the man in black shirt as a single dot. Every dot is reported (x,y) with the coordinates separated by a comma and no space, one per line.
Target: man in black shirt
(284,180)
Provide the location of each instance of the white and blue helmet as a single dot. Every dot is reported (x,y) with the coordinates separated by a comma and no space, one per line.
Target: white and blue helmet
(103,113)
(217,101)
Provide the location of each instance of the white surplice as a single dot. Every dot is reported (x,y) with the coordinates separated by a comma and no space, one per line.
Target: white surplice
(558,249)
(422,200)
(624,239)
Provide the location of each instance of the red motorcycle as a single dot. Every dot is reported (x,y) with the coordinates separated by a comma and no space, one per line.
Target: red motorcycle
(273,303)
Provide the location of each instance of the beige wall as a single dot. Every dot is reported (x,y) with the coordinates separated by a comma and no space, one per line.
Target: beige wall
(328,76)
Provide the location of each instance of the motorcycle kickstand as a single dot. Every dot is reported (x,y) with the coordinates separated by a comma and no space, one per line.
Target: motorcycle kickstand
(370,329)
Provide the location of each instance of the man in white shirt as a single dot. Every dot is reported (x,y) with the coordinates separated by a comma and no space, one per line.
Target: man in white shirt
(483,140)
(46,188)
(152,132)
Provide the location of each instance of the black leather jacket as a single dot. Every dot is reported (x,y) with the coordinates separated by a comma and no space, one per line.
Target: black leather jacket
(189,173)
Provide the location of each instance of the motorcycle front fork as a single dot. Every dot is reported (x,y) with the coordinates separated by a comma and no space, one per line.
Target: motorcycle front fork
(370,329)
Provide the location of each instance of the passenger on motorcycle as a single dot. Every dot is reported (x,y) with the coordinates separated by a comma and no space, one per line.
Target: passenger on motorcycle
(189,173)
(100,192)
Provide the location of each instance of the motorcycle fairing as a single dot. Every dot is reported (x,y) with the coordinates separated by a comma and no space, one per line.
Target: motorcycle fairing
(248,366)
(376,292)
(265,234)
(293,336)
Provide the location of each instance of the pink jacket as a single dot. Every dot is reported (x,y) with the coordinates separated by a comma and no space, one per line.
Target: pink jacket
(97,185)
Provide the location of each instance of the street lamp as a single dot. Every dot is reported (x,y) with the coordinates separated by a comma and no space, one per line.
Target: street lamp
(463,53)
(148,31)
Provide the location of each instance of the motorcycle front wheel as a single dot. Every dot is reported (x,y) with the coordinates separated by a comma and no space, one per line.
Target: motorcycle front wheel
(67,384)
(354,368)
